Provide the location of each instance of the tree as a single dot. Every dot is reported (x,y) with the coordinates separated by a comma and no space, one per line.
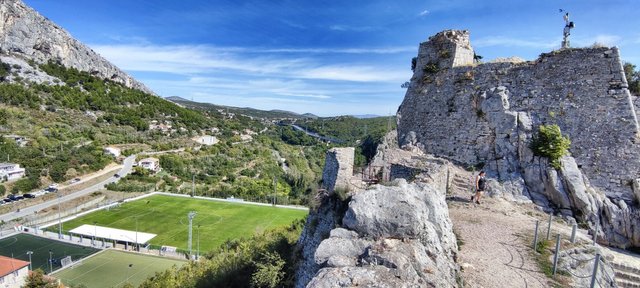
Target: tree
(633,78)
(550,143)
(269,271)
(36,279)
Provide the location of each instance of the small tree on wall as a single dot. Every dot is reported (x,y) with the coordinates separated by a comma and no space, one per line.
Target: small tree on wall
(550,143)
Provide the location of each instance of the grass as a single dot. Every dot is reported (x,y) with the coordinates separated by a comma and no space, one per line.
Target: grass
(543,256)
(113,268)
(166,216)
(17,246)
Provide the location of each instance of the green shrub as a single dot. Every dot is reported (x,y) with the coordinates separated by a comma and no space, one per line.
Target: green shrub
(550,143)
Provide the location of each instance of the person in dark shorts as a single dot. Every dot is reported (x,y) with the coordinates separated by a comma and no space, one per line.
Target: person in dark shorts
(481,185)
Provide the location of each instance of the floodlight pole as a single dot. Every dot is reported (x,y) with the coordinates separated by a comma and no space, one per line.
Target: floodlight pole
(198,249)
(137,245)
(59,218)
(50,262)
(95,233)
(190,215)
(29,253)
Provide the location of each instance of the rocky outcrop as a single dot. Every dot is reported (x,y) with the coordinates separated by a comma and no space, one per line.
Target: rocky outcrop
(485,115)
(27,35)
(392,236)
(385,236)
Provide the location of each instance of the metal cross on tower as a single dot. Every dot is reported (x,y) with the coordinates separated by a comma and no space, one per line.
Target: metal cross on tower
(191,215)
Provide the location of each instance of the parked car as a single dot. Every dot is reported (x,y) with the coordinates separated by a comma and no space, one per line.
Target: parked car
(74,180)
(53,186)
(116,175)
(28,195)
(7,200)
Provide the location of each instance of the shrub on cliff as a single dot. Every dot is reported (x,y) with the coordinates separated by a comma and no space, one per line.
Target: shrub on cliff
(550,143)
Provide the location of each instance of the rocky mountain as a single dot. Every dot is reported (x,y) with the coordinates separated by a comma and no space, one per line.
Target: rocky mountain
(485,115)
(26,36)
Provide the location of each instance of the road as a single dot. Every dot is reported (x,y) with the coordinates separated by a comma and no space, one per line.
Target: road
(126,169)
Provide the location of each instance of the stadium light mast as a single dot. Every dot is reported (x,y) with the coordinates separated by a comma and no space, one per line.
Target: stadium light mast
(30,253)
(191,215)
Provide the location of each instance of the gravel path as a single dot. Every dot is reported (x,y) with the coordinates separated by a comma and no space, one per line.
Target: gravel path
(495,252)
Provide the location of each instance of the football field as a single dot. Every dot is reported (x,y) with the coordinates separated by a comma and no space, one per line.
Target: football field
(17,246)
(166,216)
(112,268)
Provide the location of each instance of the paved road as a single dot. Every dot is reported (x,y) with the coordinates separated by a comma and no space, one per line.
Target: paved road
(126,169)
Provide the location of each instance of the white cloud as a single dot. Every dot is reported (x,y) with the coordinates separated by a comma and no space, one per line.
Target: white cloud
(339,27)
(607,40)
(423,13)
(254,77)
(191,60)
(514,42)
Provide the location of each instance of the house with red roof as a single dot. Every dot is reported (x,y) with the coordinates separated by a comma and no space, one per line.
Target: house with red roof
(13,272)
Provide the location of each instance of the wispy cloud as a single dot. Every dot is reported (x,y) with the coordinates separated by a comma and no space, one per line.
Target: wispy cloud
(339,27)
(423,13)
(514,42)
(190,60)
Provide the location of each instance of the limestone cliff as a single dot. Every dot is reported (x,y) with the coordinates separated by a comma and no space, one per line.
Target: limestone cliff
(27,35)
(385,236)
(485,114)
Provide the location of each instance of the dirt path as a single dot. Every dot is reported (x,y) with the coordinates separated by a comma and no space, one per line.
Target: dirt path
(495,252)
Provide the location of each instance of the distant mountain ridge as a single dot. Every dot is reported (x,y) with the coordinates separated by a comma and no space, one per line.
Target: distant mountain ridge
(27,35)
(271,114)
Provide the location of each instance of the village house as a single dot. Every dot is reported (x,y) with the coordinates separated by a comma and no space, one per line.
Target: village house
(11,171)
(152,164)
(20,140)
(112,151)
(206,140)
(13,272)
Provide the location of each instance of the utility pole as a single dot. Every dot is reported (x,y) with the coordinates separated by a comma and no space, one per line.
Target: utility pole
(275,186)
(190,215)
(193,184)
(59,218)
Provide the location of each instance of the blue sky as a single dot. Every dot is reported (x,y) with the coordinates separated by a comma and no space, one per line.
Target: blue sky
(322,57)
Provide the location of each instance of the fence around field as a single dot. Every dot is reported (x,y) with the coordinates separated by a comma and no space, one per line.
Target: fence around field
(599,263)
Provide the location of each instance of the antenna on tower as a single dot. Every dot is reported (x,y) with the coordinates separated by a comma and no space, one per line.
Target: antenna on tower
(567,29)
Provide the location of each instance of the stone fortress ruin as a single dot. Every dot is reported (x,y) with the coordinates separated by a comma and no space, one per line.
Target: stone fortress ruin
(484,115)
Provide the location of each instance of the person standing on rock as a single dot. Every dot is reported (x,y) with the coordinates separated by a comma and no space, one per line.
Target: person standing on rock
(481,184)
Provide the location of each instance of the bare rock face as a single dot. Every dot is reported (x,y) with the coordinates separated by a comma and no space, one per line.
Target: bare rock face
(393,236)
(28,35)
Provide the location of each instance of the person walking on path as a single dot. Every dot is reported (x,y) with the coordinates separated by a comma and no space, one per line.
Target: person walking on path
(481,184)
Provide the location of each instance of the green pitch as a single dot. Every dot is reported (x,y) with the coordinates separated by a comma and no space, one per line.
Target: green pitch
(113,268)
(17,246)
(166,216)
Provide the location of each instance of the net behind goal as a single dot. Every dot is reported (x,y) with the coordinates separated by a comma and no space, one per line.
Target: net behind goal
(66,261)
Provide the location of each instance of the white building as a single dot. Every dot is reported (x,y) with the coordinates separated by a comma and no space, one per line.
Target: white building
(151,163)
(20,140)
(112,150)
(13,272)
(206,140)
(11,171)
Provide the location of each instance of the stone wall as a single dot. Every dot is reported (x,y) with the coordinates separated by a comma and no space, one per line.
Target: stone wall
(486,113)
(26,34)
(338,168)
